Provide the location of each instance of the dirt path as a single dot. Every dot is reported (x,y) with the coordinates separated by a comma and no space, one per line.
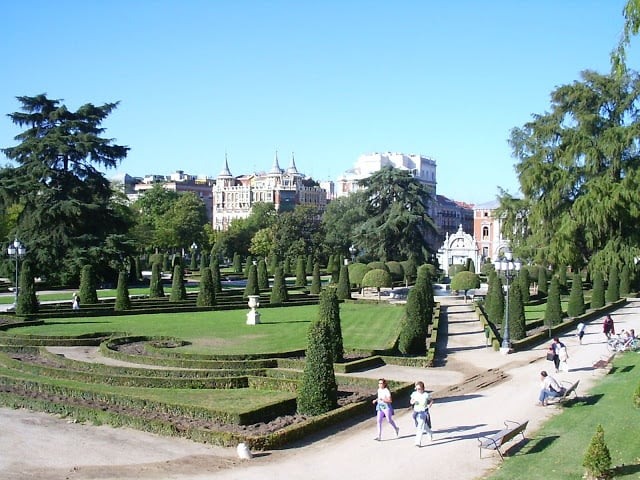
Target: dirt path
(497,387)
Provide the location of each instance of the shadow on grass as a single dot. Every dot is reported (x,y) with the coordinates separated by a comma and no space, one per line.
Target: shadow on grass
(541,444)
(585,400)
(626,470)
(87,322)
(625,369)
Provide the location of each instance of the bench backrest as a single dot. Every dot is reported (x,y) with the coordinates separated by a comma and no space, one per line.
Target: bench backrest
(571,388)
(509,434)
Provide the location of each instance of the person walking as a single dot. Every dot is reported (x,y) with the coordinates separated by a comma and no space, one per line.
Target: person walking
(607,327)
(421,402)
(384,408)
(75,302)
(580,331)
(557,348)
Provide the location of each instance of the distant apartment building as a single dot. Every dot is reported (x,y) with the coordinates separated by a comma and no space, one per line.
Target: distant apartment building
(233,197)
(487,231)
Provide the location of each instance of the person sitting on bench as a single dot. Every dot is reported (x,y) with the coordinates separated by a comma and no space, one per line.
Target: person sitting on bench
(550,388)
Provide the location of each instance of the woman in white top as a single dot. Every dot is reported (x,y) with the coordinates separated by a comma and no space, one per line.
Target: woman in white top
(384,408)
(421,402)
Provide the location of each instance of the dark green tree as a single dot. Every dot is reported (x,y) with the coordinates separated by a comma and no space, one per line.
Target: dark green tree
(395,269)
(553,310)
(316,286)
(237,263)
(309,265)
(410,270)
(206,293)
(286,266)
(123,302)
(343,289)
(397,223)
(27,299)
(247,265)
(597,291)
(576,305)
(88,285)
(301,274)
(318,392)
(329,312)
(543,286)
(263,276)
(495,300)
(215,274)
(625,281)
(597,458)
(525,282)
(465,281)
(204,261)
(69,216)
(517,323)
(252,287)
(612,293)
(178,290)
(156,290)
(279,293)
(377,278)
(562,278)
(414,326)
(357,272)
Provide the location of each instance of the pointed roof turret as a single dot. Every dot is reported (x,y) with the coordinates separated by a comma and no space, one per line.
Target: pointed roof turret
(292,168)
(225,173)
(275,168)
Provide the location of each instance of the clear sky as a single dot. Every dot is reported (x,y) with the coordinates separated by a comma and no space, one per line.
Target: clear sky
(327,80)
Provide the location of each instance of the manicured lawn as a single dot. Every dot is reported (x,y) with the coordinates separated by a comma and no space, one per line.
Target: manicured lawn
(557,450)
(364,327)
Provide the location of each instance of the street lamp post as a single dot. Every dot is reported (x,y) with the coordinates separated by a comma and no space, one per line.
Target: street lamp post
(16,250)
(353,250)
(509,268)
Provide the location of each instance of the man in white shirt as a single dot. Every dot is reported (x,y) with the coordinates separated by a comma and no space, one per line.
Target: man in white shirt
(550,388)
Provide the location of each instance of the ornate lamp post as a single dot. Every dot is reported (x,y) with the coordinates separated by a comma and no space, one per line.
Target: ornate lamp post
(353,250)
(509,268)
(16,250)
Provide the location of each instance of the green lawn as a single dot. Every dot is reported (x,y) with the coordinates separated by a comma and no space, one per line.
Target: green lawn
(364,327)
(557,450)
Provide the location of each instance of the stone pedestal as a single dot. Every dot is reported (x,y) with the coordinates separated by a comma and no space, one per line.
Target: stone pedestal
(253,317)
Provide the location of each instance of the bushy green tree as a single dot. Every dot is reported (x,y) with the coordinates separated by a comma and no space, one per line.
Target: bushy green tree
(612,293)
(286,267)
(396,271)
(333,268)
(597,458)
(206,293)
(524,282)
(517,323)
(456,269)
(377,278)
(465,281)
(309,266)
(378,265)
(343,289)
(316,285)
(247,265)
(156,290)
(27,299)
(123,302)
(279,293)
(329,312)
(625,281)
(576,305)
(178,290)
(562,278)
(357,272)
(237,263)
(410,270)
(318,392)
(414,326)
(88,293)
(553,310)
(597,290)
(543,287)
(301,274)
(204,261)
(252,282)
(263,276)
(215,274)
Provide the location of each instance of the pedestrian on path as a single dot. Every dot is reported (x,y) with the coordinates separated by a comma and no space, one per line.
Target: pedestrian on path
(75,302)
(421,401)
(580,331)
(384,408)
(607,327)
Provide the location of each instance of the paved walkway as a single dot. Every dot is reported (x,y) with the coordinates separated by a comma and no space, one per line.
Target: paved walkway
(500,387)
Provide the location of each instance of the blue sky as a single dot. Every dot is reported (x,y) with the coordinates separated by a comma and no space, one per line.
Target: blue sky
(327,80)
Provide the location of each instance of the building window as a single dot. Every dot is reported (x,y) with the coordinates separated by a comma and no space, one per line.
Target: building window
(485,233)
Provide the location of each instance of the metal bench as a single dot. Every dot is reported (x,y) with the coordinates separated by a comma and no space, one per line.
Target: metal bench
(568,390)
(496,440)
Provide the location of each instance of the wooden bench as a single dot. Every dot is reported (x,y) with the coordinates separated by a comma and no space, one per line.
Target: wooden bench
(605,361)
(568,390)
(495,441)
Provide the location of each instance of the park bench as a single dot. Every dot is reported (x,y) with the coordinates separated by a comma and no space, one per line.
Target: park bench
(605,361)
(569,388)
(496,440)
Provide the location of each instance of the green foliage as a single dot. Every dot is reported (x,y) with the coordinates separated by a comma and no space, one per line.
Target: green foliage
(377,278)
(178,290)
(237,263)
(204,261)
(88,292)
(27,299)
(465,281)
(263,276)
(357,272)
(562,277)
(193,262)
(301,273)
(329,312)
(396,271)
(597,459)
(344,285)
(315,279)
(613,286)
(418,313)
(377,266)
(279,293)
(333,267)
(297,232)
(625,281)
(517,325)
(576,304)
(252,282)
(597,291)
(309,265)
(524,281)
(247,265)
(494,303)
(156,289)
(470,265)
(487,267)
(456,269)
(123,302)
(410,270)
(215,274)
(318,392)
(543,289)
(636,396)
(286,266)
(206,293)
(553,310)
